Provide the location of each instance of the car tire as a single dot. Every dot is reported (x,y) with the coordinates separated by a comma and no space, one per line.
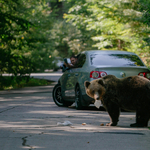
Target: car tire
(57,97)
(78,98)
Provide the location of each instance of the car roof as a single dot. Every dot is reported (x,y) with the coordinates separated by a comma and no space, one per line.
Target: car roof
(108,52)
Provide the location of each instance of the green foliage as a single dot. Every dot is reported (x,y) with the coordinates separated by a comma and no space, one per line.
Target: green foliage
(33,33)
(25,42)
(11,27)
(19,82)
(67,38)
(114,24)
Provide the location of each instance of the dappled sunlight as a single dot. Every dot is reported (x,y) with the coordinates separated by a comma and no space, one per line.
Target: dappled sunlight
(24,125)
(66,112)
(34,121)
(33,147)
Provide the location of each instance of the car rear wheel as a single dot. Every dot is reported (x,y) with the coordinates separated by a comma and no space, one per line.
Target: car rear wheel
(78,98)
(57,97)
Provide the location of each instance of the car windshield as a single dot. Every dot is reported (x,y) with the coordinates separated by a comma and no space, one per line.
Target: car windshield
(115,60)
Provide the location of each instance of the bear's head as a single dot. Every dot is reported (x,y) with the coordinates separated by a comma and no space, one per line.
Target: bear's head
(95,89)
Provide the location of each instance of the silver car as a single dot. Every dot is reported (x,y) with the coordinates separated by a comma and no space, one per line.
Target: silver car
(92,65)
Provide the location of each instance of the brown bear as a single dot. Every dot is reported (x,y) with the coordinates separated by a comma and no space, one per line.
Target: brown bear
(130,93)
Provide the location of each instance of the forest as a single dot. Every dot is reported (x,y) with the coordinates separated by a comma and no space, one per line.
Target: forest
(34,32)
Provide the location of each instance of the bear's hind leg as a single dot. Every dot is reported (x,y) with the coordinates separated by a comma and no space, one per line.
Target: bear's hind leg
(142,118)
(114,112)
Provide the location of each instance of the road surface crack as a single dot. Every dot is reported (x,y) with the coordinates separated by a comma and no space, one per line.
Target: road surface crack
(24,143)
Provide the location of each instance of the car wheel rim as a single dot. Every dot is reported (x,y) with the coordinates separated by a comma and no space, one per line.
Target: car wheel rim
(58,96)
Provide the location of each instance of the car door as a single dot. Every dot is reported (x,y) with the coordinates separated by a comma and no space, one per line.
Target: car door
(76,75)
(65,83)
(71,81)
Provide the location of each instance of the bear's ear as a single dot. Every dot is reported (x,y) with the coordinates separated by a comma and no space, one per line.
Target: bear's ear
(101,82)
(86,84)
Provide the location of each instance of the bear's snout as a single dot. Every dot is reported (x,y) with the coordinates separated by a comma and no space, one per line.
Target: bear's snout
(96,96)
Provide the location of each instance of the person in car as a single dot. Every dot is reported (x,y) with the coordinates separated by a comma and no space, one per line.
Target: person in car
(74,61)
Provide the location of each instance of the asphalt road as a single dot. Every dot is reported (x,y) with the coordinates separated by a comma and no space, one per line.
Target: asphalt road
(48,76)
(29,120)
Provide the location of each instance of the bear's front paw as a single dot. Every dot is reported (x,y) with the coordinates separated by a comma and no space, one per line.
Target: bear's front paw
(111,124)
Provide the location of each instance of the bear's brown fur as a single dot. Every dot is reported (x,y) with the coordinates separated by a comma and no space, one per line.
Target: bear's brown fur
(130,93)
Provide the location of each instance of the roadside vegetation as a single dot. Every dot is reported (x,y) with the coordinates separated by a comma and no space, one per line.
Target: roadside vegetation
(20,82)
(34,32)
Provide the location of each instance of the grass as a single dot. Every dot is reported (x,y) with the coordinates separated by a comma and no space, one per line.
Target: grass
(20,82)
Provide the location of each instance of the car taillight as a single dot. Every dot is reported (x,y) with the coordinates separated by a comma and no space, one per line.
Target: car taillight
(145,74)
(97,74)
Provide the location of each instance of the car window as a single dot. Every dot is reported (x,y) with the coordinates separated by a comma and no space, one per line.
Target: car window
(115,60)
(81,60)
